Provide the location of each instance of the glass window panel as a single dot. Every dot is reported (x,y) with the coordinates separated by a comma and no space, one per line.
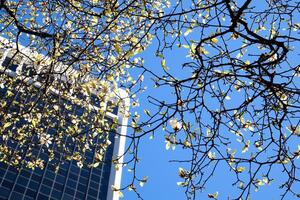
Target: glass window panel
(7,184)
(94,185)
(58,186)
(22,180)
(62,172)
(71,183)
(10,176)
(80,195)
(36,177)
(103,188)
(75,169)
(95,178)
(34,185)
(82,188)
(60,179)
(25,173)
(49,174)
(67,197)
(12,170)
(83,181)
(28,198)
(56,194)
(4,192)
(73,176)
(42,197)
(45,190)
(47,182)
(93,192)
(2,172)
(97,170)
(19,188)
(38,171)
(65,166)
(85,173)
(70,191)
(16,195)
(31,193)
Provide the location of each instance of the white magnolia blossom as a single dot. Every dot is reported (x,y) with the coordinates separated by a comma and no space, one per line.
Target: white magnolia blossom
(45,139)
(175,124)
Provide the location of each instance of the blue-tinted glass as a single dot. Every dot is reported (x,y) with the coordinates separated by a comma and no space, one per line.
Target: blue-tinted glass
(81,188)
(22,180)
(10,176)
(70,191)
(33,185)
(85,173)
(94,184)
(13,67)
(67,197)
(47,182)
(12,169)
(31,193)
(28,198)
(73,176)
(75,169)
(114,109)
(97,170)
(44,156)
(2,172)
(62,172)
(95,100)
(92,192)
(4,192)
(7,184)
(83,181)
(80,195)
(50,174)
(36,177)
(60,179)
(19,188)
(89,154)
(56,194)
(91,197)
(95,178)
(45,190)
(42,197)
(71,183)
(65,166)
(25,173)
(6,61)
(58,186)
(16,195)
(38,171)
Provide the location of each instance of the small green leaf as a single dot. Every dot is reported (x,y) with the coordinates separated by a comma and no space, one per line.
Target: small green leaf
(147,112)
(240,169)
(163,64)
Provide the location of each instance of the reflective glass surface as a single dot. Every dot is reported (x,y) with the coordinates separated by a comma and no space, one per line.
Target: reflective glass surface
(69,182)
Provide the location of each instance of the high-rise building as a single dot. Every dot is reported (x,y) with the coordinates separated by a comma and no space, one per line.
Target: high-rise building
(69,182)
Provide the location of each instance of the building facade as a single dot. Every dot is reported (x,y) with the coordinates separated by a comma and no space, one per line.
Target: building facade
(69,182)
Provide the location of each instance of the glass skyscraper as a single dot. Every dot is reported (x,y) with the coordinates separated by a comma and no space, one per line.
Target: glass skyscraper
(69,182)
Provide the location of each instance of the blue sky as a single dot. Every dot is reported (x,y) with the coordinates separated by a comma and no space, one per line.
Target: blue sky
(163,175)
(155,159)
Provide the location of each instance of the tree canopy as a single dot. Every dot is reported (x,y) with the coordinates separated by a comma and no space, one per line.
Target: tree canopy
(235,96)
(72,56)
